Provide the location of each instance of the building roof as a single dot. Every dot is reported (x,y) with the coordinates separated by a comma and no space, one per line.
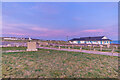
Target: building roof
(98,38)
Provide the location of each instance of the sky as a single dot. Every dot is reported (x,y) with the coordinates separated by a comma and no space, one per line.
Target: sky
(57,20)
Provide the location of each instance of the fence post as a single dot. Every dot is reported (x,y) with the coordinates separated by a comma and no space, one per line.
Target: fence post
(94,49)
(68,47)
(80,48)
(116,46)
(108,46)
(113,50)
(101,47)
(65,46)
(90,47)
(72,46)
(59,47)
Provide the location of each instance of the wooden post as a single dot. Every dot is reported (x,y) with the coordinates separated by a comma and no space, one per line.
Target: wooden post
(17,45)
(84,45)
(80,48)
(113,50)
(65,46)
(94,49)
(39,44)
(108,46)
(8,45)
(59,47)
(116,46)
(101,46)
(90,47)
(72,46)
(68,47)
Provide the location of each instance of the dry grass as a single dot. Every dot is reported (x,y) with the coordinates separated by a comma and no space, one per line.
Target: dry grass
(13,48)
(58,64)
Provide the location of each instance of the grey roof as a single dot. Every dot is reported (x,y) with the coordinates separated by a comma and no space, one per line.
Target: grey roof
(98,38)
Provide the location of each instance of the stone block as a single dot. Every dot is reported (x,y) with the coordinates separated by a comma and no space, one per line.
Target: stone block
(31,46)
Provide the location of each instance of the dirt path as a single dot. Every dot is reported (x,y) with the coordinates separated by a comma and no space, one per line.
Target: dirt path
(85,51)
(74,50)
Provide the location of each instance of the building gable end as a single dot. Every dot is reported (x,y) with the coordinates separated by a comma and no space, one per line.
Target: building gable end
(104,37)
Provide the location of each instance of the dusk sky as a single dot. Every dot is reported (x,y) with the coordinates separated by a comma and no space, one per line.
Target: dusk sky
(56,20)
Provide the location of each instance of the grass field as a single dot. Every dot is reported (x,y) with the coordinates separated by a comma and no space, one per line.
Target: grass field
(58,64)
(13,48)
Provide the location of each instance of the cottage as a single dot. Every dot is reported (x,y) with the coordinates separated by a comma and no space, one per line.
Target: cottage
(91,40)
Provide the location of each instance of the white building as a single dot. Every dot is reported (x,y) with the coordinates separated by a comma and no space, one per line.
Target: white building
(13,38)
(91,40)
(10,38)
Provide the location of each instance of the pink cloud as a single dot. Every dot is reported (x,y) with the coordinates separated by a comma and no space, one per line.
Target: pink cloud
(93,30)
(48,32)
(39,29)
(51,33)
(31,30)
(13,33)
